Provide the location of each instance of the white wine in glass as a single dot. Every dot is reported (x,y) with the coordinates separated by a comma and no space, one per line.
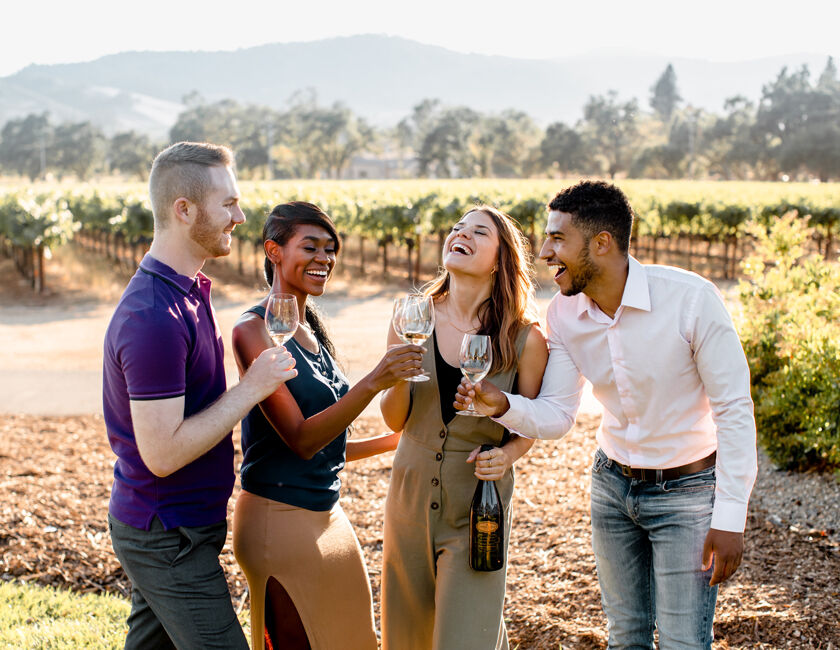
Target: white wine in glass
(281,317)
(475,358)
(414,322)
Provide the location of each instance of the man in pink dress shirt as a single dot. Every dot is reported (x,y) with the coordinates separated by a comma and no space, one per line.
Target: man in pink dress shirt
(677,458)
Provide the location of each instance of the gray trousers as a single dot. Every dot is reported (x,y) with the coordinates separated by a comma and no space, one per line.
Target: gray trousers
(179,595)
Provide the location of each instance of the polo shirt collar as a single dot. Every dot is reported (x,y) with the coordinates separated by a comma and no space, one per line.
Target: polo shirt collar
(166,273)
(636,291)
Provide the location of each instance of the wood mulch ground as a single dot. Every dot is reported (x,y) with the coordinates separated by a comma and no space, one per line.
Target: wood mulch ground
(56,473)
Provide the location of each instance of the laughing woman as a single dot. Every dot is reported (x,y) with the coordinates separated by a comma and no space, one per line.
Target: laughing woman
(431,599)
(304,566)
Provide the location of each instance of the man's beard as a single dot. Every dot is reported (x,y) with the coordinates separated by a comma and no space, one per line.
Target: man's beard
(585,271)
(203,233)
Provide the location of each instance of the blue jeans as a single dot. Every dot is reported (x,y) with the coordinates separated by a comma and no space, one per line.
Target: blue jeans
(648,543)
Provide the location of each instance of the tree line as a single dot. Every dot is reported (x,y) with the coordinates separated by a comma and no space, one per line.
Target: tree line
(792,132)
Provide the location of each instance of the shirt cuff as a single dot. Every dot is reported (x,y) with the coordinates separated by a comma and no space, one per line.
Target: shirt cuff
(729,515)
(512,419)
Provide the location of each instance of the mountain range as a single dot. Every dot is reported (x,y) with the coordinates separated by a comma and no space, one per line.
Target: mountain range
(379,77)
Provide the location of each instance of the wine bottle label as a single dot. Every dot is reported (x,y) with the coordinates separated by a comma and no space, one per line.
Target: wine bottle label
(486,526)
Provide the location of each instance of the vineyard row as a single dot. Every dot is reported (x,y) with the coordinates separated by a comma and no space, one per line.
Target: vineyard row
(119,223)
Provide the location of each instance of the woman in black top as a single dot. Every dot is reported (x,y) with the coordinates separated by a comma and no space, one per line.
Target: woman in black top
(304,566)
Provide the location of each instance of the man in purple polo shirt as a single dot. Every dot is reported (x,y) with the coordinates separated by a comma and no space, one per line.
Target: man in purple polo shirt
(168,413)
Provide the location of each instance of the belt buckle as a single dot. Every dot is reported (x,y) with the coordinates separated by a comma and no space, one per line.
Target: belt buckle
(626,470)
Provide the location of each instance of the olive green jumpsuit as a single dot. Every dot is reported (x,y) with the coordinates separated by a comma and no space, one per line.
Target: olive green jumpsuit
(431,599)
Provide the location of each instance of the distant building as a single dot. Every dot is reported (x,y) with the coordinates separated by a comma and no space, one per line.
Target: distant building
(381,167)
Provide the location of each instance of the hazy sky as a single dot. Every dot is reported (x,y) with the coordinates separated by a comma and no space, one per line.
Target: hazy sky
(50,31)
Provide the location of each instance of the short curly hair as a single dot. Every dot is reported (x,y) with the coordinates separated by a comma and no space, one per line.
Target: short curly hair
(597,206)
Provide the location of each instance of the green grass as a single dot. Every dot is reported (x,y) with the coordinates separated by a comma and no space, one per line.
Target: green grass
(32,616)
(42,617)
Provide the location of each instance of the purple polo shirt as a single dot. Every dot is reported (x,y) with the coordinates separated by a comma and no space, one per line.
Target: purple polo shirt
(163,341)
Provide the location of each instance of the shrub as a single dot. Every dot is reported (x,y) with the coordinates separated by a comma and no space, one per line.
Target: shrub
(791,336)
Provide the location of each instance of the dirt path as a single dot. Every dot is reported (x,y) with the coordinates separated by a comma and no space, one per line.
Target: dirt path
(51,347)
(51,355)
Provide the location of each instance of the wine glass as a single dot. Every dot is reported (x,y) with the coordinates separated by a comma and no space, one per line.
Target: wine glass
(281,317)
(475,358)
(414,322)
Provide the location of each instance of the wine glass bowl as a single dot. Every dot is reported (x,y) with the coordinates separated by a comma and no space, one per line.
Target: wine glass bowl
(396,320)
(475,358)
(281,317)
(414,322)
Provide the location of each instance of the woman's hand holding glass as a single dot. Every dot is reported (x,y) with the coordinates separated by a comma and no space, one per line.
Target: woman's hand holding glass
(400,363)
(414,322)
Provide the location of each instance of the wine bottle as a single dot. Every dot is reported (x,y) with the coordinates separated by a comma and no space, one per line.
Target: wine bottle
(487,526)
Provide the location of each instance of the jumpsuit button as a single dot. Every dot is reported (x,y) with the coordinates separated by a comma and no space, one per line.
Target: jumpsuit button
(443,433)
(435,505)
(435,482)
(438,456)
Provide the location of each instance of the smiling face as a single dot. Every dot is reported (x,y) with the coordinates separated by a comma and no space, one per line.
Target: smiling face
(567,250)
(305,262)
(473,245)
(216,218)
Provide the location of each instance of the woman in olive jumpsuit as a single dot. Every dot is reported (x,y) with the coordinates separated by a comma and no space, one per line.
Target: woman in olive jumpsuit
(431,599)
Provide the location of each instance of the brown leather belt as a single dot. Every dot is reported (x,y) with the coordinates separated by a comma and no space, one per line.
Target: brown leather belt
(659,475)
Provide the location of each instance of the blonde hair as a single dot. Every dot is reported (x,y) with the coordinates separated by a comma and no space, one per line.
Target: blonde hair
(511,305)
(182,170)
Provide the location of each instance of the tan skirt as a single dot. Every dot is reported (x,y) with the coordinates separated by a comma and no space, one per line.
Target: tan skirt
(316,557)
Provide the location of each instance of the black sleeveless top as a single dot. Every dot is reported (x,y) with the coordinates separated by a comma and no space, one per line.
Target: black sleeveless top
(448,378)
(270,468)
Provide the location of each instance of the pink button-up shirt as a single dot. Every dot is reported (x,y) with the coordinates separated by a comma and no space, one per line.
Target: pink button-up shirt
(668,369)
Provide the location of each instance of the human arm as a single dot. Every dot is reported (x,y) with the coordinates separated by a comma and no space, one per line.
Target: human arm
(396,401)
(366,447)
(724,371)
(492,465)
(307,436)
(725,375)
(552,413)
(167,441)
